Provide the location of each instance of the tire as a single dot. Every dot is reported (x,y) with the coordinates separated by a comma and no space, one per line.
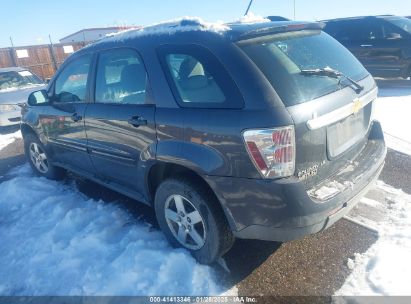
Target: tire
(216,237)
(39,159)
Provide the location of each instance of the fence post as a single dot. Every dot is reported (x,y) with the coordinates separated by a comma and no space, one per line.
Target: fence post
(13,56)
(53,58)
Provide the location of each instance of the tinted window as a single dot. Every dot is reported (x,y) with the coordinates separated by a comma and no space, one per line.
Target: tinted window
(391,31)
(71,84)
(121,77)
(197,78)
(400,22)
(282,57)
(193,80)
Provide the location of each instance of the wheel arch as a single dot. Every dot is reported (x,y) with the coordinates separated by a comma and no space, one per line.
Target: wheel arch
(26,129)
(163,170)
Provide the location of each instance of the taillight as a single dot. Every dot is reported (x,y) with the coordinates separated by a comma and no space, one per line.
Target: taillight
(272,150)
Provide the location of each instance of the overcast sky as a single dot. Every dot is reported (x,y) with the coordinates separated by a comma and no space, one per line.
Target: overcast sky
(31,21)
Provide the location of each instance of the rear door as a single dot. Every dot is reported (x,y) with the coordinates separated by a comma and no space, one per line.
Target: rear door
(120,123)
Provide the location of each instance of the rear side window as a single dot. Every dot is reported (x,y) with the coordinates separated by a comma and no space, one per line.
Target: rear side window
(121,77)
(193,81)
(71,83)
(197,78)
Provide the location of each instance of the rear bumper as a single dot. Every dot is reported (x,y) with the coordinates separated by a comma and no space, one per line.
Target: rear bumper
(10,118)
(282,210)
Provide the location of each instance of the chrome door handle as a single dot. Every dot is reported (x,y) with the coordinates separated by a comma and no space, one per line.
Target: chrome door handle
(366,45)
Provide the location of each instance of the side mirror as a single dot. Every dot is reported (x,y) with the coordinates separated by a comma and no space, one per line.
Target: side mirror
(38,98)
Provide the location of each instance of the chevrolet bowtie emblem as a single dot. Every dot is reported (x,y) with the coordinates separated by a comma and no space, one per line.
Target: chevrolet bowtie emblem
(356,105)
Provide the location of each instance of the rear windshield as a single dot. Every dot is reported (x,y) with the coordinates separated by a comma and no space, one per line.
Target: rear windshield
(281,58)
(16,80)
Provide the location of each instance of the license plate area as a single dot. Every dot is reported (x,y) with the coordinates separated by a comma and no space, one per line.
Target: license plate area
(345,133)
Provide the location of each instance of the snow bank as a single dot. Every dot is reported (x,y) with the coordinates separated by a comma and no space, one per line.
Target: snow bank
(57,241)
(6,139)
(385,269)
(392,110)
(172,26)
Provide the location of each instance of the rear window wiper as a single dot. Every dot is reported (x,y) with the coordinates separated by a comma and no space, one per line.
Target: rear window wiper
(329,72)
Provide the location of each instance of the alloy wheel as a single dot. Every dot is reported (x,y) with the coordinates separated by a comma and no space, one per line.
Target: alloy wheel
(185,222)
(39,158)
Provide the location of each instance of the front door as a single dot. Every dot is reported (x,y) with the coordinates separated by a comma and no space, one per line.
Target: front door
(63,122)
(120,124)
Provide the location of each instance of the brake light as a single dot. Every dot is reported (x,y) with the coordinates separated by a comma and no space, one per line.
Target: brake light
(272,151)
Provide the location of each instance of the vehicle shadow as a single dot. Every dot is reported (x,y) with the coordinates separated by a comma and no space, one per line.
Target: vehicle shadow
(137,210)
(245,256)
(393,87)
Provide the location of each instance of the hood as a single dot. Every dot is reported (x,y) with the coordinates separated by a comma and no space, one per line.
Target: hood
(20,95)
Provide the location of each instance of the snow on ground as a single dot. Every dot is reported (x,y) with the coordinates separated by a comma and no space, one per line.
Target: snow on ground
(6,139)
(57,241)
(393,108)
(385,269)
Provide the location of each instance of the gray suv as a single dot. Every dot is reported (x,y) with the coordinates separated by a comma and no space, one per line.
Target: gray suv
(257,131)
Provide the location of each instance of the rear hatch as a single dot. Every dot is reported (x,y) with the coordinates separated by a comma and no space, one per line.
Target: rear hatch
(332,112)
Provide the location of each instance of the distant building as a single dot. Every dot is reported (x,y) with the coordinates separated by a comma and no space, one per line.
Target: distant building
(92,34)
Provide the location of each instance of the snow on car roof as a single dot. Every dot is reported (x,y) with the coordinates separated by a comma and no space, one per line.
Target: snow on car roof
(251,18)
(232,31)
(172,26)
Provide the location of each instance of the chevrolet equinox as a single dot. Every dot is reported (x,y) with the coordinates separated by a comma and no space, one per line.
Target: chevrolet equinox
(255,131)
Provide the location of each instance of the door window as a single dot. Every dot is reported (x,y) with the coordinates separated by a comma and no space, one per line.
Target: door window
(121,78)
(392,32)
(354,30)
(197,78)
(193,81)
(71,84)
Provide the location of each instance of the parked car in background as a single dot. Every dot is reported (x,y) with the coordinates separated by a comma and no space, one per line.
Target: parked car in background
(16,84)
(381,43)
(226,130)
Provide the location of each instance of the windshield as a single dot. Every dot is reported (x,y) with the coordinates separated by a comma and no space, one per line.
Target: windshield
(15,80)
(402,23)
(282,57)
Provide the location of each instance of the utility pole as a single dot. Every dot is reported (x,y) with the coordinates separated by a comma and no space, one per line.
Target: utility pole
(248,8)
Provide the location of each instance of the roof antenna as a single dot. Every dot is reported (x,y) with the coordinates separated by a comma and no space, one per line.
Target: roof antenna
(248,8)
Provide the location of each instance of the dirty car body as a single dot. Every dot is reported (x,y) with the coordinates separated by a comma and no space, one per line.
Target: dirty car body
(283,153)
